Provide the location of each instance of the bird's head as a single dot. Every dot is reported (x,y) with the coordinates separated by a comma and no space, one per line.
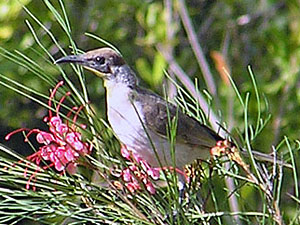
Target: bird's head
(105,63)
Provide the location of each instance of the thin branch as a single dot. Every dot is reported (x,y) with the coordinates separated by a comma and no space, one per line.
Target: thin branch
(172,91)
(185,80)
(186,20)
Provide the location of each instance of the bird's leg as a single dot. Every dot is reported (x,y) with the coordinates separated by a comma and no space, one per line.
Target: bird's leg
(181,184)
(182,179)
(181,188)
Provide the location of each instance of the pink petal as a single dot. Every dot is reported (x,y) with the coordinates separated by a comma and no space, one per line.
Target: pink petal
(45,151)
(62,129)
(127,175)
(44,138)
(69,154)
(70,137)
(78,136)
(154,173)
(58,165)
(83,126)
(77,145)
(60,155)
(125,153)
(133,168)
(55,121)
(85,149)
(71,168)
(150,188)
(144,165)
(131,187)
(137,158)
(52,157)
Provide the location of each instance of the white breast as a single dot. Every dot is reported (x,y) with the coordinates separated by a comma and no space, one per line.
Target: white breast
(122,115)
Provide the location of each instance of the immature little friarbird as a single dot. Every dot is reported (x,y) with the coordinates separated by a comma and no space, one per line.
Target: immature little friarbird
(141,119)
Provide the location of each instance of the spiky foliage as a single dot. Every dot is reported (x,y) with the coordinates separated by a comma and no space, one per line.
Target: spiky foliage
(219,191)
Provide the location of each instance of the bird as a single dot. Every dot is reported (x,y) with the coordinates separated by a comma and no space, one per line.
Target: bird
(140,118)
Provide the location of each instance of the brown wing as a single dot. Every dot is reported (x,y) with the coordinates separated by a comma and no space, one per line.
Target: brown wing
(189,130)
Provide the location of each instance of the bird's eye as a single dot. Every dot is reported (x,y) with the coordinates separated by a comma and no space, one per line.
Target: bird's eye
(100,59)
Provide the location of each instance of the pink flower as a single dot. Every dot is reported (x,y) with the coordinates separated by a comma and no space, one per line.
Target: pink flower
(125,153)
(44,138)
(154,173)
(138,172)
(127,177)
(150,188)
(62,145)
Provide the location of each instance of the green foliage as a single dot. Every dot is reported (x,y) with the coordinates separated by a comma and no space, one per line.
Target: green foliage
(259,109)
(153,76)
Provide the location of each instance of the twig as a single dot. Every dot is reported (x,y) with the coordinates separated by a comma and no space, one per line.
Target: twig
(211,86)
(172,90)
(233,202)
(266,187)
(264,183)
(220,64)
(185,80)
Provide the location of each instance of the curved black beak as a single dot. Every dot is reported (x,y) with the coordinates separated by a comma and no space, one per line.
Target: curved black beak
(79,59)
(85,61)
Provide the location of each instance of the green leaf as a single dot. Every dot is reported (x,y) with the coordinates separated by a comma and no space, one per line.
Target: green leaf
(144,69)
(158,69)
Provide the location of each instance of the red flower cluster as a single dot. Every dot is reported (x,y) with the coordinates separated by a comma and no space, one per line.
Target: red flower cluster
(62,144)
(139,171)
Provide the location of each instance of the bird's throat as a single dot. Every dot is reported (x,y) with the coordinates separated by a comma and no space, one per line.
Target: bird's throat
(94,71)
(116,91)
